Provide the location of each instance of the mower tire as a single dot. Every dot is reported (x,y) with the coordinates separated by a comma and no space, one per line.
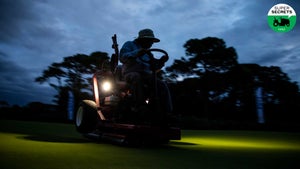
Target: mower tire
(86,117)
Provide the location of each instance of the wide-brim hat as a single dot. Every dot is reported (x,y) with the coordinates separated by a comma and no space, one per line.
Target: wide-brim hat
(147,34)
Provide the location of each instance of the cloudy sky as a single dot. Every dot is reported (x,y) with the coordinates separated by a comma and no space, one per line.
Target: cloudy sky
(36,33)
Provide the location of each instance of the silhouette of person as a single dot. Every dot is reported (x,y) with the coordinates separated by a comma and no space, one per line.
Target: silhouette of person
(136,68)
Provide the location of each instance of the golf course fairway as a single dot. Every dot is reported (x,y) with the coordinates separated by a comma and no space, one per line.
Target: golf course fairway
(38,145)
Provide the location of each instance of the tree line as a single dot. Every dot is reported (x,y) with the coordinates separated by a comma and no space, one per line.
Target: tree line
(210,89)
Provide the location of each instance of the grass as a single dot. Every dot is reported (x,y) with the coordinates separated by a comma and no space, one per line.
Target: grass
(36,145)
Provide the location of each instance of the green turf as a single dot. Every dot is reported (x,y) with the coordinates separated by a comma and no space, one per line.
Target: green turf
(34,145)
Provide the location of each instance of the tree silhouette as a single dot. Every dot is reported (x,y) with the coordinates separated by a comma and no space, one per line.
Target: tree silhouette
(205,55)
(73,74)
(215,86)
(208,60)
(281,96)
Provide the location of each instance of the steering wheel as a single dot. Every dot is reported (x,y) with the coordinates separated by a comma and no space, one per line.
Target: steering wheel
(157,64)
(160,51)
(163,58)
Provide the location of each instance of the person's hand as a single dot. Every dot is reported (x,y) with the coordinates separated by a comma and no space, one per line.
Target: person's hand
(141,52)
(164,58)
(161,62)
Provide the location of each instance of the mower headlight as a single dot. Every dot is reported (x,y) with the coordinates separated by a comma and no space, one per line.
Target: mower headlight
(106,86)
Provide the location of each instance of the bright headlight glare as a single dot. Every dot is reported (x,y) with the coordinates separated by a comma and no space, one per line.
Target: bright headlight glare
(106,86)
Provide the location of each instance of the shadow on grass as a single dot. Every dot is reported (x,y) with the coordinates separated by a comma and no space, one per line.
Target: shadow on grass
(40,131)
(55,139)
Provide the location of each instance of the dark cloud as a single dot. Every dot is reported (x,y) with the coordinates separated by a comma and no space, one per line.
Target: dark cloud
(256,42)
(18,86)
(12,14)
(275,56)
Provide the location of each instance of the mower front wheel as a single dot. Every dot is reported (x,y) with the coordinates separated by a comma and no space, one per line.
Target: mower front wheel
(86,117)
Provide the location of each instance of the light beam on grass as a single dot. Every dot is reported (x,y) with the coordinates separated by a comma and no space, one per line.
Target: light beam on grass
(235,143)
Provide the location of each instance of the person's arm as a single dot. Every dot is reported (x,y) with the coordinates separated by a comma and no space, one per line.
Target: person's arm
(130,51)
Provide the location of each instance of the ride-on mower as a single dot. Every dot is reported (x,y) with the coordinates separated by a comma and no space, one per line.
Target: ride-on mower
(112,115)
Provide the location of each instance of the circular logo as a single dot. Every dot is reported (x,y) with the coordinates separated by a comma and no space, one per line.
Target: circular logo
(282,18)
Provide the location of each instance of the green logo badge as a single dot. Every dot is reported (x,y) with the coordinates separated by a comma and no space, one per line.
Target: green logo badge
(282,18)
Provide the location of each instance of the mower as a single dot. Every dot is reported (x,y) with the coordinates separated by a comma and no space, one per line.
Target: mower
(112,115)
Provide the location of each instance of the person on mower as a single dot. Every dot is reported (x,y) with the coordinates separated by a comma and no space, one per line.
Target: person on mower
(136,68)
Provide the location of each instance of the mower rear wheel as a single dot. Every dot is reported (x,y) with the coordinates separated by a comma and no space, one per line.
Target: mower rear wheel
(86,117)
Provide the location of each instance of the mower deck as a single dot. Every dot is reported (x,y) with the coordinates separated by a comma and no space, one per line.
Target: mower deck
(134,134)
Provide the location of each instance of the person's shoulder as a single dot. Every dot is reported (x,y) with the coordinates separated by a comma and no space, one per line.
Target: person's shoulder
(129,43)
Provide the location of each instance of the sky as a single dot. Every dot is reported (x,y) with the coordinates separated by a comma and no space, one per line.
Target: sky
(36,33)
